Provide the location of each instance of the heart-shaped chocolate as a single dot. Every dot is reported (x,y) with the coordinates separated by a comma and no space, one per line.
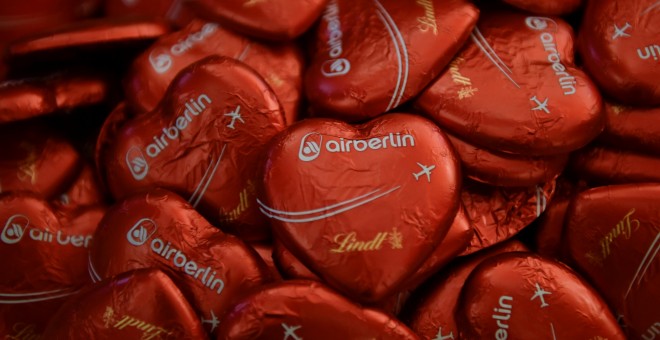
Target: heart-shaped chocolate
(160,229)
(266,252)
(85,191)
(27,98)
(504,169)
(263,19)
(204,142)
(45,261)
(619,46)
(141,304)
(343,198)
(550,238)
(613,234)
(632,128)
(525,296)
(551,107)
(307,310)
(40,160)
(371,56)
(547,7)
(430,311)
(497,214)
(152,72)
(604,165)
(70,40)
(289,265)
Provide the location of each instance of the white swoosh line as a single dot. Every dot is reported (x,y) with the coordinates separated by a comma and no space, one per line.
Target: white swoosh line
(651,8)
(483,49)
(398,57)
(333,213)
(552,328)
(646,262)
(244,53)
(314,211)
(92,272)
(37,299)
(174,10)
(206,186)
(48,292)
(393,27)
(201,181)
(490,48)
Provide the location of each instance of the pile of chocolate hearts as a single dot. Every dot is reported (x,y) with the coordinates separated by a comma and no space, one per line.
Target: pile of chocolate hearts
(330,169)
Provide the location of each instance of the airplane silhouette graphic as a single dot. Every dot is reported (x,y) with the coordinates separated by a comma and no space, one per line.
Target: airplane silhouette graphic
(541,105)
(539,293)
(426,170)
(235,115)
(290,331)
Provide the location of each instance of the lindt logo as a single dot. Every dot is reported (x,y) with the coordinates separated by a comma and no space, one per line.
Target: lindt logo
(312,144)
(136,159)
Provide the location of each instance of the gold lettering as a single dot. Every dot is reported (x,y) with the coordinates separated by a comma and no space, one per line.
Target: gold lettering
(428,20)
(243,202)
(23,331)
(466,90)
(626,226)
(349,242)
(149,331)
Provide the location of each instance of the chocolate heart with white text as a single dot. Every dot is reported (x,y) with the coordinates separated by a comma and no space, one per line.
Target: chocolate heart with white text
(161,230)
(204,141)
(342,198)
(371,56)
(551,107)
(45,260)
(524,296)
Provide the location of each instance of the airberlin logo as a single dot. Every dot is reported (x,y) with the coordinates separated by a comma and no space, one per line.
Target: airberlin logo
(136,160)
(145,229)
(335,66)
(161,58)
(312,144)
(17,227)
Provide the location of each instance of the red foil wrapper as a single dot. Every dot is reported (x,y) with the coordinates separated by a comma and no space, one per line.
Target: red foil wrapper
(547,7)
(22,99)
(22,18)
(89,34)
(372,56)
(271,20)
(381,195)
(307,310)
(632,128)
(550,237)
(603,165)
(45,261)
(142,304)
(497,214)
(613,234)
(514,88)
(204,142)
(507,170)
(173,11)
(161,230)
(266,252)
(37,160)
(289,265)
(84,191)
(152,72)
(619,47)
(524,296)
(431,310)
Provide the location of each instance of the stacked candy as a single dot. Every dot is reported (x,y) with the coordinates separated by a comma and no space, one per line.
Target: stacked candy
(330,169)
